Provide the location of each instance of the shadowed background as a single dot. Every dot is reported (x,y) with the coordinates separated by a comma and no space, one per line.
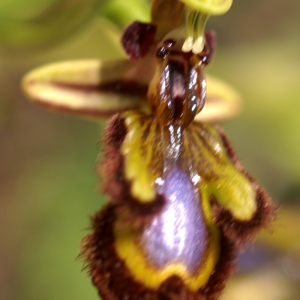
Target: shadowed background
(48,187)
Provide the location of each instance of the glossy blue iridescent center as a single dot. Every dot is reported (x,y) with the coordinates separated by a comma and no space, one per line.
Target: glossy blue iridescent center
(178,234)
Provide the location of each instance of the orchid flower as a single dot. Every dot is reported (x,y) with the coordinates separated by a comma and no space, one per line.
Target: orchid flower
(181,204)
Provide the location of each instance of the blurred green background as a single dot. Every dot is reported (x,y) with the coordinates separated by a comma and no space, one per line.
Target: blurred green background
(48,187)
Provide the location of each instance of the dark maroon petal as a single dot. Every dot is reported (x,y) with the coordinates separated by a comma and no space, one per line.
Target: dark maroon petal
(138,38)
(210,37)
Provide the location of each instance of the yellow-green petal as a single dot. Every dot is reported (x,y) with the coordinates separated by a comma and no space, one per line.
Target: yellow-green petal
(210,7)
(89,87)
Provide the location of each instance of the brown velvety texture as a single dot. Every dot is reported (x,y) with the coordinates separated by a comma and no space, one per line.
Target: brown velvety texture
(115,282)
(110,274)
(111,171)
(239,232)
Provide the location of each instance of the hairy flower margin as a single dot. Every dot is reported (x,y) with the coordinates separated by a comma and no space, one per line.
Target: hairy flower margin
(181,205)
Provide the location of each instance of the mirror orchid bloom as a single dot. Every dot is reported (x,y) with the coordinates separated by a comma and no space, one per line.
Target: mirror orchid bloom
(181,204)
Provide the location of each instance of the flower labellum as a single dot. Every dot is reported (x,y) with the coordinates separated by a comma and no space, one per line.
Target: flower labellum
(181,205)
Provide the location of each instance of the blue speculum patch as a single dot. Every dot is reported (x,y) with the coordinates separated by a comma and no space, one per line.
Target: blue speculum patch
(178,234)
